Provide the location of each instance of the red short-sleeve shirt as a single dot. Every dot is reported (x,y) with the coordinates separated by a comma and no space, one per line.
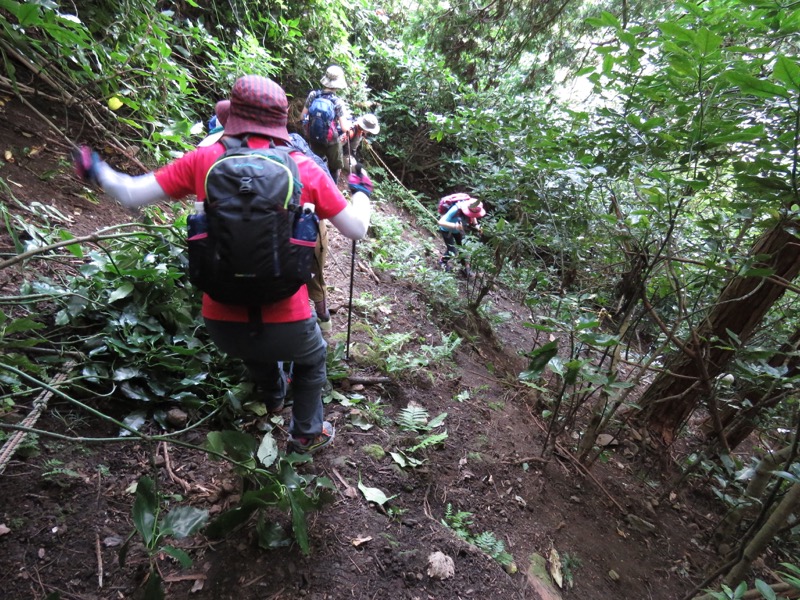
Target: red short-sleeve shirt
(186,176)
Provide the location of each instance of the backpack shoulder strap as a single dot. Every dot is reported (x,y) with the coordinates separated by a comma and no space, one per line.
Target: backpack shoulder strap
(231,143)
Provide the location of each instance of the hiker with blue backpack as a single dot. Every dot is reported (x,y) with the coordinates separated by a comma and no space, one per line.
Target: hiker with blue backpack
(251,243)
(324,118)
(459,214)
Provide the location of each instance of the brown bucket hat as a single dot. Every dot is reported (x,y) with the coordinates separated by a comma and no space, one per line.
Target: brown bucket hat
(259,106)
(223,111)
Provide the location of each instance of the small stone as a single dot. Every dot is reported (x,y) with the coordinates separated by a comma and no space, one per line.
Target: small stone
(177,417)
(440,566)
(613,575)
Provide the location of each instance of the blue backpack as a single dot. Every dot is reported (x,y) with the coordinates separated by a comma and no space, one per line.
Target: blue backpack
(322,119)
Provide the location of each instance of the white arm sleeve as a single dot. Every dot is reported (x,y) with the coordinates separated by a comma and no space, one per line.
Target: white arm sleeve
(131,192)
(353,221)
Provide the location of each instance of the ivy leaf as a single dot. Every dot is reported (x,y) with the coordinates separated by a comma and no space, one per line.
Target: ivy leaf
(122,291)
(268,450)
(183,521)
(374,494)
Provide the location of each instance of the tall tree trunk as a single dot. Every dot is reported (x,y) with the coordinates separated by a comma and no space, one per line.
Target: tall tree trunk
(686,381)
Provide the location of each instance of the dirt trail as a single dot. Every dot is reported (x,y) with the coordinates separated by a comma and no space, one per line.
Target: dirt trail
(64,529)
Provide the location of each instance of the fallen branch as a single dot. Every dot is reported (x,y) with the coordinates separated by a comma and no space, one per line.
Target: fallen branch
(39,405)
(92,238)
(99,560)
(369,380)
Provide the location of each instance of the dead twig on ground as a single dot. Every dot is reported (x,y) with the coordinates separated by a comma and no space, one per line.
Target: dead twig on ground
(99,554)
(187,487)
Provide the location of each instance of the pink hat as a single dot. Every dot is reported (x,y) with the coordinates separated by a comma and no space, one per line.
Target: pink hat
(258,105)
(472,208)
(223,110)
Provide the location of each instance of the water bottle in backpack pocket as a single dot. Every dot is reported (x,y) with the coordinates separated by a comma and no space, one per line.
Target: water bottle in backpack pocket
(304,236)
(197,239)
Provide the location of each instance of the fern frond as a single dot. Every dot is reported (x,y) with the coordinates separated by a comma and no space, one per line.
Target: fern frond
(413,418)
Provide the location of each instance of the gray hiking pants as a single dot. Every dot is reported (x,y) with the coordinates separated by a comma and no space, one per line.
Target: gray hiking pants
(300,342)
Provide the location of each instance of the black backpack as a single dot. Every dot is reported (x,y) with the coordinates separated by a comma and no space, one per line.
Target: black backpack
(249,256)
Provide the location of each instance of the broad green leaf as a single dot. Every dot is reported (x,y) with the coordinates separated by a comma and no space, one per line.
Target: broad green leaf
(757,272)
(600,340)
(766,591)
(228,521)
(122,291)
(676,31)
(758,87)
(74,249)
(23,324)
(134,420)
(374,494)
(538,360)
(154,590)
(145,506)
(183,521)
(238,445)
(268,450)
(437,421)
(299,523)
(178,555)
(707,41)
(787,71)
(272,535)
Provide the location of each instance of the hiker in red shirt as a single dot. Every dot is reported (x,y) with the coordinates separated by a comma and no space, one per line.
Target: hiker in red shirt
(289,332)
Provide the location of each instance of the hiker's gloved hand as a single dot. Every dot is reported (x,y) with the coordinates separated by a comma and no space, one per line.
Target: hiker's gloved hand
(359,181)
(85,161)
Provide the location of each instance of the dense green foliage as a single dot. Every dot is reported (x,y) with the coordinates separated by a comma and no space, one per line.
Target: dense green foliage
(633,165)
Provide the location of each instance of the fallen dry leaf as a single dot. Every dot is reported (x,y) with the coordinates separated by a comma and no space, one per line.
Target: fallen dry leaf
(361,540)
(555,567)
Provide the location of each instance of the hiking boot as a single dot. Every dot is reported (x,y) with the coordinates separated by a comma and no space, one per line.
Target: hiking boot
(304,445)
(275,405)
(272,404)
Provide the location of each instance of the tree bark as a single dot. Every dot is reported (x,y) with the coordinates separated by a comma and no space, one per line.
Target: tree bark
(685,383)
(756,547)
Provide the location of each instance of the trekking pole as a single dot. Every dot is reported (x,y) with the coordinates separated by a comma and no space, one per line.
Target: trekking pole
(350,304)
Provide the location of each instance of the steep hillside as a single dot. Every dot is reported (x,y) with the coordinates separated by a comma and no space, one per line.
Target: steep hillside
(65,510)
